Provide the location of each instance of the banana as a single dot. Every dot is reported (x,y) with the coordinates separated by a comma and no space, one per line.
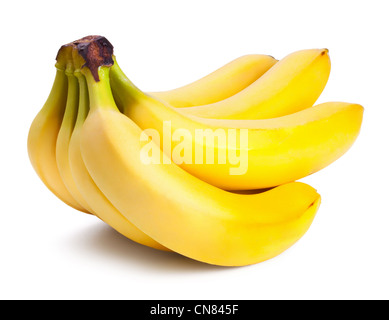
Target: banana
(64,135)
(220,84)
(45,153)
(98,202)
(292,84)
(43,133)
(176,209)
(247,154)
(48,138)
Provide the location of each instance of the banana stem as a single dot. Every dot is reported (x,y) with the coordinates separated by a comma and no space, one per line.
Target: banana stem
(72,101)
(58,92)
(83,106)
(124,91)
(100,93)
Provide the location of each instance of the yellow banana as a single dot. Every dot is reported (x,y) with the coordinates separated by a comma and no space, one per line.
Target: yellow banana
(64,134)
(178,210)
(292,84)
(42,137)
(243,154)
(98,202)
(220,84)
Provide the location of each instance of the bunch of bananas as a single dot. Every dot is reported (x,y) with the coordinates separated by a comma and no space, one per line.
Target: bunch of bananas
(95,145)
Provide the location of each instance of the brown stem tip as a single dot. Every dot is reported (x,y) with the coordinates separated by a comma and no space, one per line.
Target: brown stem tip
(96,50)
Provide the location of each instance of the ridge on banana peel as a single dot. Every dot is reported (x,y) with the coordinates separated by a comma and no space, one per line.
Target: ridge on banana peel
(98,202)
(43,133)
(272,151)
(181,212)
(219,84)
(293,84)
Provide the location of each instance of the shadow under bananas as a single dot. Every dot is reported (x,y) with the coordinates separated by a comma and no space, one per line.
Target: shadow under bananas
(107,243)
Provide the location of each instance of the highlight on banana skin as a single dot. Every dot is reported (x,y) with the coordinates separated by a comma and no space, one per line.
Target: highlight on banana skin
(209,170)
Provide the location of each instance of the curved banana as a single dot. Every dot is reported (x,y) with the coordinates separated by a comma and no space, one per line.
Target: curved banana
(178,210)
(49,156)
(63,139)
(42,137)
(220,84)
(292,84)
(243,154)
(43,134)
(99,203)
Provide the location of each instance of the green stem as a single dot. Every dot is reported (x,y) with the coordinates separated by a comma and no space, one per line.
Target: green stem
(124,91)
(83,105)
(58,93)
(70,115)
(100,94)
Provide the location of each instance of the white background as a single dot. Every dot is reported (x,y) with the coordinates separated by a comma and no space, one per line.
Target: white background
(50,251)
